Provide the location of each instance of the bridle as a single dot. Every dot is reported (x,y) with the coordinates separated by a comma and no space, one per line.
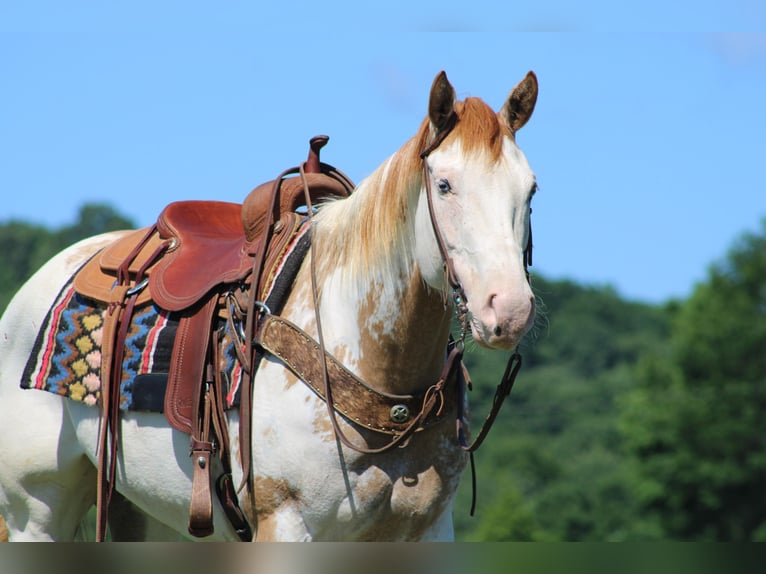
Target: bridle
(459,297)
(450,275)
(453,370)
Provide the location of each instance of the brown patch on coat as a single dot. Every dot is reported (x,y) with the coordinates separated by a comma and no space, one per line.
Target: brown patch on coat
(408,359)
(405,495)
(321,422)
(3,530)
(479,129)
(270,494)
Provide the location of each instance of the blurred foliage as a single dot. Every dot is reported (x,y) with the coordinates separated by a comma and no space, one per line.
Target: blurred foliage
(628,421)
(631,421)
(24,247)
(694,420)
(556,448)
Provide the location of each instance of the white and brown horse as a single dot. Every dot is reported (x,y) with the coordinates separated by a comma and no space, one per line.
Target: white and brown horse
(385,312)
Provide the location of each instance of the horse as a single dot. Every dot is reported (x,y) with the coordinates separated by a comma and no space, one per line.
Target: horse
(442,225)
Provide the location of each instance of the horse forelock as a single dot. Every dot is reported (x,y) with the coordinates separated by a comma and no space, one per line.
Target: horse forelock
(369,233)
(479,129)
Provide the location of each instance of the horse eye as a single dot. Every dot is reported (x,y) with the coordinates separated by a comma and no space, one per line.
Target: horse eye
(444,186)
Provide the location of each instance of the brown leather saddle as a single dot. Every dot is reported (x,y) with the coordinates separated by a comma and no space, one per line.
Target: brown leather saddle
(194,256)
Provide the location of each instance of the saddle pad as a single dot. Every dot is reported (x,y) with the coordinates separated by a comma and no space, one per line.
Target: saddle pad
(66,357)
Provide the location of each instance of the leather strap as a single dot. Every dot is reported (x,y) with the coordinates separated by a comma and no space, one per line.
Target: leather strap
(190,345)
(116,322)
(248,373)
(201,505)
(254,314)
(210,436)
(502,390)
(111,322)
(449,268)
(227,494)
(351,396)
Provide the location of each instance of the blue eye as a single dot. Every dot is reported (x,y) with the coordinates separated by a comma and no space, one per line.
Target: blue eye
(444,186)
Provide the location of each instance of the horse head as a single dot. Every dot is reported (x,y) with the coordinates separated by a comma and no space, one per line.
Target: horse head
(473,210)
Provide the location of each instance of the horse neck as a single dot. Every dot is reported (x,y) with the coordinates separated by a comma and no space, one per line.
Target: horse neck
(402,338)
(370,282)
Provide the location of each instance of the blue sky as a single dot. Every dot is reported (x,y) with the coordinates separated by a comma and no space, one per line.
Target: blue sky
(647,139)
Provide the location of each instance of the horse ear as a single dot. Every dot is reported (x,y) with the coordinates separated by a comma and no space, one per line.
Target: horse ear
(441,104)
(521,103)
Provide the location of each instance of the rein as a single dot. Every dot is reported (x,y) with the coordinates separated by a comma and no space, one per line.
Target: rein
(453,368)
(431,396)
(461,311)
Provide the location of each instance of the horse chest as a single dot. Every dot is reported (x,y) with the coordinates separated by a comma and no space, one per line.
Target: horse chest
(309,488)
(356,500)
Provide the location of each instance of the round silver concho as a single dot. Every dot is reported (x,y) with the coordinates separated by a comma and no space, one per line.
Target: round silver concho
(400,413)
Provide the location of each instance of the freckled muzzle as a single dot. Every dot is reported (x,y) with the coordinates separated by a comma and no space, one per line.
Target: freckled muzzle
(503,320)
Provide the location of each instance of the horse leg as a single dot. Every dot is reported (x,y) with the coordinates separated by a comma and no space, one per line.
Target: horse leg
(128,523)
(46,482)
(442,530)
(285,524)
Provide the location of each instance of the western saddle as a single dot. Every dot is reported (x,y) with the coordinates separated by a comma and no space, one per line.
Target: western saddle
(205,260)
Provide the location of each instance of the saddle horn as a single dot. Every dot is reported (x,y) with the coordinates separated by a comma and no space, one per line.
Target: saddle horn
(312,164)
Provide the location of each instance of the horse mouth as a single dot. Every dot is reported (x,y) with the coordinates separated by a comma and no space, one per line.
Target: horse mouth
(495,338)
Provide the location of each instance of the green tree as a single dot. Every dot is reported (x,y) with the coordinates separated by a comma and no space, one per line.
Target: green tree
(696,422)
(553,466)
(24,247)
(92,219)
(20,247)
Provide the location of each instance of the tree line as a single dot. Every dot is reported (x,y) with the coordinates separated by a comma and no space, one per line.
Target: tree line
(628,421)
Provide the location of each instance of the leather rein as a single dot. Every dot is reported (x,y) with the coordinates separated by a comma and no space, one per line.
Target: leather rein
(453,370)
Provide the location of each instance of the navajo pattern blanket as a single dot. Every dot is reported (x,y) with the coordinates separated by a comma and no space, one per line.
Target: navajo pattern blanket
(66,357)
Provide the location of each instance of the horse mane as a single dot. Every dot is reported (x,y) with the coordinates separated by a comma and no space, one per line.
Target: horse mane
(369,233)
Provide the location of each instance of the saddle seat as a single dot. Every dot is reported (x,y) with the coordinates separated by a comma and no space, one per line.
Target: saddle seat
(209,243)
(205,247)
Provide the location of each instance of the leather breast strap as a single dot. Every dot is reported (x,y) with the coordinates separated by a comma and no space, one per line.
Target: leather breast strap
(381,412)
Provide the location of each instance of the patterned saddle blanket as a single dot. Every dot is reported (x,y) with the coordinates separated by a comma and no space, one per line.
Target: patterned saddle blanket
(67,355)
(66,358)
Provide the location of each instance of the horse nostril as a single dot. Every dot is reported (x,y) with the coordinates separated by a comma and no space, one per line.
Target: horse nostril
(498,331)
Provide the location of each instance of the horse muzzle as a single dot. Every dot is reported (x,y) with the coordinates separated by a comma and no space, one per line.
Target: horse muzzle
(503,320)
